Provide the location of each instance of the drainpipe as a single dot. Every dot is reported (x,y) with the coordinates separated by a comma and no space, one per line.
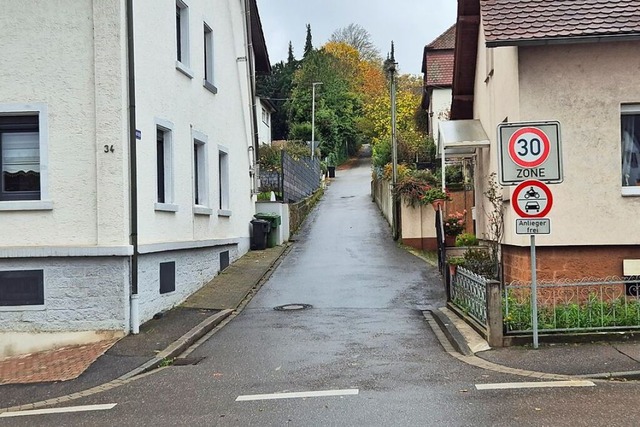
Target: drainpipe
(252,96)
(133,175)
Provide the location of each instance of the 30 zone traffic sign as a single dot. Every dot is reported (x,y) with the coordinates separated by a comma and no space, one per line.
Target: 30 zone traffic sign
(529,150)
(529,147)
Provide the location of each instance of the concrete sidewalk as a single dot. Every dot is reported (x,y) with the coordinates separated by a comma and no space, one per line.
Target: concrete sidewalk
(62,372)
(606,359)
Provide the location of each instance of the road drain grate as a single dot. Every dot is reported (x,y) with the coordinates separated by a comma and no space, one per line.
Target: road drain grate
(292,307)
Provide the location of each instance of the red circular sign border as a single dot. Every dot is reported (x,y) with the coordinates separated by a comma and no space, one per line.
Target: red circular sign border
(545,140)
(536,183)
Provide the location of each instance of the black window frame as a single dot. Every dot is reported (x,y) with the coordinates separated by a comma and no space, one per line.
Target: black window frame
(178,33)
(167,277)
(33,279)
(19,123)
(160,164)
(196,176)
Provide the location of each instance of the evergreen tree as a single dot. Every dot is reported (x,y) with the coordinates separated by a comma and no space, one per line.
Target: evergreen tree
(308,46)
(290,57)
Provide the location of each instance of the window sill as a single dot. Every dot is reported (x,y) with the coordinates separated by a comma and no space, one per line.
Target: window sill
(39,307)
(202,210)
(631,191)
(184,69)
(166,207)
(224,212)
(209,86)
(26,205)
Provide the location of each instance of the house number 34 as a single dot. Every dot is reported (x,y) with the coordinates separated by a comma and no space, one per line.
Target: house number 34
(109,149)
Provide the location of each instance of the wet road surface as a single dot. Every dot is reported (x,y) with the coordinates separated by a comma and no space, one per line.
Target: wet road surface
(363,340)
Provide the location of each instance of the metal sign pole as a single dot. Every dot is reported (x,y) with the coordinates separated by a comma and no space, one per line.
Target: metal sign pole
(534,292)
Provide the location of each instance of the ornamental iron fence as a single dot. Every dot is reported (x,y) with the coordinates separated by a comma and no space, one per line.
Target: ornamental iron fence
(469,293)
(590,304)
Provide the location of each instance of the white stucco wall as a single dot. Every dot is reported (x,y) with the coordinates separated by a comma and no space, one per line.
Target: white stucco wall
(264,129)
(496,98)
(418,222)
(441,108)
(68,57)
(582,86)
(194,269)
(165,93)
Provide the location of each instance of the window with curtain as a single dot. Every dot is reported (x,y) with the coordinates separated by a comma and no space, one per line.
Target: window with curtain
(630,138)
(19,157)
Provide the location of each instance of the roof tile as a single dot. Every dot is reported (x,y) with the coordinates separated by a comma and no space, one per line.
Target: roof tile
(517,20)
(439,68)
(446,40)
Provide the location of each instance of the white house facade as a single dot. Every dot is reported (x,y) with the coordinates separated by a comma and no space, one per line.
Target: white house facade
(587,83)
(265,109)
(127,139)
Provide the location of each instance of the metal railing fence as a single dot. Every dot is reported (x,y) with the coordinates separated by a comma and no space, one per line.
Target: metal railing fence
(586,305)
(469,293)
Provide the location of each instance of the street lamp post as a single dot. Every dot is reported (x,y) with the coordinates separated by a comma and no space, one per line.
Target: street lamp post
(313,117)
(390,67)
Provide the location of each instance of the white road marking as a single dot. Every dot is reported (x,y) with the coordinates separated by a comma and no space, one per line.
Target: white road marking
(297,395)
(540,384)
(58,410)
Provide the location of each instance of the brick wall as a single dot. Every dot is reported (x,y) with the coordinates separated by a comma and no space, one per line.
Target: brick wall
(566,262)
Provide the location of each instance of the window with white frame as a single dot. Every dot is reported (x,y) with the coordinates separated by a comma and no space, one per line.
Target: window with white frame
(208,59)
(164,167)
(265,116)
(200,174)
(630,149)
(23,136)
(182,38)
(223,179)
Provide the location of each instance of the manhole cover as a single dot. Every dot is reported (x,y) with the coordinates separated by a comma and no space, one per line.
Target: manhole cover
(292,307)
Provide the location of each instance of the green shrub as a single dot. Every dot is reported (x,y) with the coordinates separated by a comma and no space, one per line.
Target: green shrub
(479,261)
(466,239)
(592,313)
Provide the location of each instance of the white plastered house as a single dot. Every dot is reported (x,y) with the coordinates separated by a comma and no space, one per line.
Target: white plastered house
(128,134)
(573,62)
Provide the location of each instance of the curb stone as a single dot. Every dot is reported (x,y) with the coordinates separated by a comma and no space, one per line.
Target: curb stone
(444,336)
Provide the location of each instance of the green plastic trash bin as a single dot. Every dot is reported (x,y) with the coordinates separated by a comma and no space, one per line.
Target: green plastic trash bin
(275,220)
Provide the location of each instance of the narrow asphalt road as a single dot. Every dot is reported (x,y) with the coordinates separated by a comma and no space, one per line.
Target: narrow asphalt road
(363,340)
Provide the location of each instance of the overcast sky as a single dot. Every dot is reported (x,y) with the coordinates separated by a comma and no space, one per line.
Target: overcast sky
(411,24)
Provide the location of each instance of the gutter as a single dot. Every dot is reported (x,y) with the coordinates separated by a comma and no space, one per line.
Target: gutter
(563,40)
(133,175)
(252,96)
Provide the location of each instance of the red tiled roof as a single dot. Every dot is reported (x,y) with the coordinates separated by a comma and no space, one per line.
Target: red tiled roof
(518,21)
(446,40)
(437,62)
(439,68)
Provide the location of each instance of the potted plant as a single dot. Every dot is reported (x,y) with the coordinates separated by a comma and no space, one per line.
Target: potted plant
(466,239)
(454,223)
(454,262)
(436,196)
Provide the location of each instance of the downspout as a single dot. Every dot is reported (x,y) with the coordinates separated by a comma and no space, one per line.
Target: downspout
(133,175)
(252,97)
